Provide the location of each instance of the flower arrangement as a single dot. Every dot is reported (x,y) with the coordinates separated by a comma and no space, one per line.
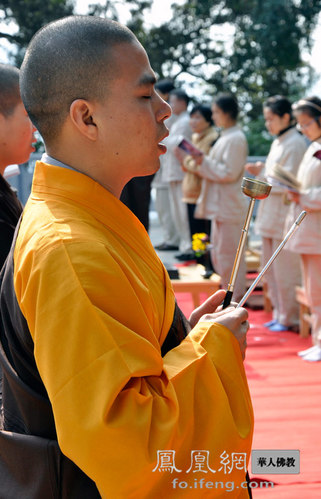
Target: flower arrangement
(201,246)
(200,243)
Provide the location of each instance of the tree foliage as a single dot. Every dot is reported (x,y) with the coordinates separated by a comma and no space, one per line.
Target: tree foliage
(29,16)
(260,56)
(110,9)
(263,51)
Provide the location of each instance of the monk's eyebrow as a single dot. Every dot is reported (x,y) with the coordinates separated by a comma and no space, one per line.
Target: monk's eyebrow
(147,79)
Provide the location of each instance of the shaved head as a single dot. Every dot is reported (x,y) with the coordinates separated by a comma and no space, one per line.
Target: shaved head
(9,89)
(68,59)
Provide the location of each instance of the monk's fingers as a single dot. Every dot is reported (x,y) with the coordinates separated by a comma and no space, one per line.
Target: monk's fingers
(208,307)
(236,315)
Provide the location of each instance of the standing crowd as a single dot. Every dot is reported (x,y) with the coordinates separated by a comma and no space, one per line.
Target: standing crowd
(204,188)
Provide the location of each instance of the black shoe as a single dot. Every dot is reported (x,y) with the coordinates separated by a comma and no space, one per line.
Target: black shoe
(166,247)
(185,257)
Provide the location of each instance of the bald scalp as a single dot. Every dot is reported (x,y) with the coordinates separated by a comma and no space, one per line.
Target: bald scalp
(68,59)
(9,89)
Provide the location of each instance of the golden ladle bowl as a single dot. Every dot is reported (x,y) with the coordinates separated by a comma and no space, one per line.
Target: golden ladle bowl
(256,189)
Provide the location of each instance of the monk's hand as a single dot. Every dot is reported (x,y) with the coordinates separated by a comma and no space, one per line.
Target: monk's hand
(235,319)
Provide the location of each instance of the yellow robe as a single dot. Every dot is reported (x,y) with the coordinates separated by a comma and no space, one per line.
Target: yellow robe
(99,304)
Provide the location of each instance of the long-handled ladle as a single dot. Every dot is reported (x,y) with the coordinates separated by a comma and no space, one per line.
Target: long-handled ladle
(255,189)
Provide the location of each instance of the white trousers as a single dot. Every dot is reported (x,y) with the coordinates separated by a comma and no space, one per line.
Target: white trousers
(225,238)
(180,216)
(311,266)
(162,205)
(281,278)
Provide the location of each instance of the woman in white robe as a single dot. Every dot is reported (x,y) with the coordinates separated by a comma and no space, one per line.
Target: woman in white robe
(307,240)
(287,151)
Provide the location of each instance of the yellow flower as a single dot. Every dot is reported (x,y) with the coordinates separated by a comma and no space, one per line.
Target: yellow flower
(200,241)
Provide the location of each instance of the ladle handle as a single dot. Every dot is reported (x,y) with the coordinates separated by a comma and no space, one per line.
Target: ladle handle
(239,253)
(227,299)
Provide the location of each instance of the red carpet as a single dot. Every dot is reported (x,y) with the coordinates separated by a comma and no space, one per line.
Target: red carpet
(286,396)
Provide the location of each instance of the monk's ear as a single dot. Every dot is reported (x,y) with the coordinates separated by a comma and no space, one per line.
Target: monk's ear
(81,115)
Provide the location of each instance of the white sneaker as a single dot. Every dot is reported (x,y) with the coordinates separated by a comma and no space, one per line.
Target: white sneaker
(314,356)
(307,351)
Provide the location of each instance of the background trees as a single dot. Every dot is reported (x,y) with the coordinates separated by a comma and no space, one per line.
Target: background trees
(260,56)
(29,16)
(250,47)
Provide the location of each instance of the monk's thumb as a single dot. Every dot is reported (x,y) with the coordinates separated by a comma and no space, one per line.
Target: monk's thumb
(211,304)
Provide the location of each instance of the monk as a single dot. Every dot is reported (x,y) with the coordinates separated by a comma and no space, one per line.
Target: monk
(16,145)
(108,390)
